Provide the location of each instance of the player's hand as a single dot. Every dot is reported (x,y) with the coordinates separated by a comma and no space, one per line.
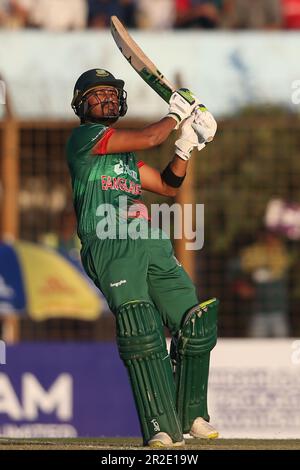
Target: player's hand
(188,140)
(181,105)
(204,125)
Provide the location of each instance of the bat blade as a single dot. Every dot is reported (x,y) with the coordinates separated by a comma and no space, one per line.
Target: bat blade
(139,61)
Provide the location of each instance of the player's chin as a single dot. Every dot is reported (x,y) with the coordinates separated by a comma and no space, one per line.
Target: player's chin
(112,115)
(113,111)
(112,120)
(107,120)
(109,117)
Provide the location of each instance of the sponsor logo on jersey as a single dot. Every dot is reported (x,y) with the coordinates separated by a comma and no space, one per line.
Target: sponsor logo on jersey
(121,168)
(118,284)
(98,135)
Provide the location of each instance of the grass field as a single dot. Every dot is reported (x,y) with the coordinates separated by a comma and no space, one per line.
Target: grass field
(136,444)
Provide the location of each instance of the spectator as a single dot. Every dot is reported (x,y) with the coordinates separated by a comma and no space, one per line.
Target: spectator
(100,12)
(157,14)
(56,15)
(291,14)
(4,12)
(129,12)
(254,14)
(10,16)
(266,262)
(199,13)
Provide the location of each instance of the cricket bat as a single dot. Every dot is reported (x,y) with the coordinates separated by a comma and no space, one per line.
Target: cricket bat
(141,63)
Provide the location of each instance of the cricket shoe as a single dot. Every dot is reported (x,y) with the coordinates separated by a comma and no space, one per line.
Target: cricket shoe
(162,439)
(201,429)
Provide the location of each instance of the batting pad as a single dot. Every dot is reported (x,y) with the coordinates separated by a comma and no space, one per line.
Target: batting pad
(142,347)
(191,355)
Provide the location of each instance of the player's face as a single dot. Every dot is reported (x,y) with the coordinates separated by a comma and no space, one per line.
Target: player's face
(105,101)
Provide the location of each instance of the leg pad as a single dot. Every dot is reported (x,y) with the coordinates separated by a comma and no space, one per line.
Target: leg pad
(142,347)
(190,352)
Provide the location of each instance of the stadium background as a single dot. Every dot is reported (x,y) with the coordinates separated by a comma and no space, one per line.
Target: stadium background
(249,79)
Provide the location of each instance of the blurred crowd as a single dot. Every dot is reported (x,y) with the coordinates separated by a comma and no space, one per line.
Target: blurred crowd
(64,15)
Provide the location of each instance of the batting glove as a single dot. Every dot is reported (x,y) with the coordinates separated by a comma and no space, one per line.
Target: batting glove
(188,140)
(181,105)
(204,125)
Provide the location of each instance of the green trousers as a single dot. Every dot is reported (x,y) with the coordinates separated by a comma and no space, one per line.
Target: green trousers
(140,270)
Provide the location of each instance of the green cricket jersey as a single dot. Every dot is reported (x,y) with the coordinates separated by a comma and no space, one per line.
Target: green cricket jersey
(124,269)
(99,179)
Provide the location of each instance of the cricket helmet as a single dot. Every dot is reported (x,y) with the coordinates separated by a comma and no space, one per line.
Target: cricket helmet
(91,80)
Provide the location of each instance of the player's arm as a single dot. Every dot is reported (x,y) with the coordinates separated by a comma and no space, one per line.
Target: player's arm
(196,131)
(156,182)
(140,139)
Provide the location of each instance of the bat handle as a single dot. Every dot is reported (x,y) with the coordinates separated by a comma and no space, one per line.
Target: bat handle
(190,98)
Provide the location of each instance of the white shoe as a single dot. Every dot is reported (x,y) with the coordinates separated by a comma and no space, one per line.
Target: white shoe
(201,429)
(162,439)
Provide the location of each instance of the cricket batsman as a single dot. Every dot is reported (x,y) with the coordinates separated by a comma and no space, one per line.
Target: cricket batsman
(145,286)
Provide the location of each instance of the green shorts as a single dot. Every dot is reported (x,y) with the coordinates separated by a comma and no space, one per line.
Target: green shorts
(146,270)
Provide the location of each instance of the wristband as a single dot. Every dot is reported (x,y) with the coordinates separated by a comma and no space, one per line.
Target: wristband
(169,177)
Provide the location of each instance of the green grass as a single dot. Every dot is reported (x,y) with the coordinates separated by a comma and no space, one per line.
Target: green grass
(136,444)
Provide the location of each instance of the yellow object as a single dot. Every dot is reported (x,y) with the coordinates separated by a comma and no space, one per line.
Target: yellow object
(54,288)
(259,255)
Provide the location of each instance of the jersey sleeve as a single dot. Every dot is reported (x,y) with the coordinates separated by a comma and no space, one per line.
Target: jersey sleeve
(82,142)
(91,135)
(101,146)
